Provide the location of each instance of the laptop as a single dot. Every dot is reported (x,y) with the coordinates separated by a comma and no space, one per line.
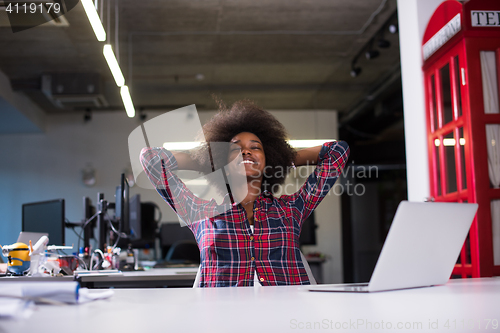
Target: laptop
(25,237)
(420,250)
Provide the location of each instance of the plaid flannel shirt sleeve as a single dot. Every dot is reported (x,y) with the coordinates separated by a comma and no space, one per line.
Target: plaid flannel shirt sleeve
(332,159)
(159,165)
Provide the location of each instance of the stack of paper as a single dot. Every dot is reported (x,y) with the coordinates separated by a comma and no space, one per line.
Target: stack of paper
(17,298)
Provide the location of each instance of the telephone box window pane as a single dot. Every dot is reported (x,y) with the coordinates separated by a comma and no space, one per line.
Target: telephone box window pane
(493,148)
(467,250)
(446,89)
(462,144)
(451,173)
(435,123)
(458,84)
(438,168)
(495,230)
(468,259)
(490,84)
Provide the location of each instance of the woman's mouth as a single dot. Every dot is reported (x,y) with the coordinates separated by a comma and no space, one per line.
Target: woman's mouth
(248,162)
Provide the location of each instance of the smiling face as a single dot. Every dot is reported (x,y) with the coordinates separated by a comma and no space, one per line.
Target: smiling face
(252,152)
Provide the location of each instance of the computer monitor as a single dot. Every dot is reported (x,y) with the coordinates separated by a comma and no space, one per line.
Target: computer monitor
(122,205)
(47,217)
(88,211)
(308,233)
(143,224)
(135,217)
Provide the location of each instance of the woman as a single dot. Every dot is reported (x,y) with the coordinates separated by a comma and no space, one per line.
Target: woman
(252,235)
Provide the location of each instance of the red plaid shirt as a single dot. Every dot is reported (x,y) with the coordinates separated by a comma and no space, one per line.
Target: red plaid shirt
(230,252)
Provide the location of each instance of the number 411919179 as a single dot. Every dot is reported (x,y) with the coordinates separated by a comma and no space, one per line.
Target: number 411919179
(32,8)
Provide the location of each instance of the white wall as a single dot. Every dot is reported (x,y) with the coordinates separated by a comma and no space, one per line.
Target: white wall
(413,16)
(18,114)
(48,165)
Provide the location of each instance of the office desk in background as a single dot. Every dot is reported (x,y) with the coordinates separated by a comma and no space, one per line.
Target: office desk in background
(277,309)
(153,278)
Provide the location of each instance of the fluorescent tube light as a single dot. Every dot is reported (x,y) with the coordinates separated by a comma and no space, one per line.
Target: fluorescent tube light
(127,101)
(449,142)
(307,143)
(180,145)
(293,143)
(94,19)
(113,65)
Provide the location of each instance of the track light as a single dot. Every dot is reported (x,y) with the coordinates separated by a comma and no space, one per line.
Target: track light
(355,71)
(377,41)
(383,43)
(372,54)
(393,28)
(87,116)
(142,114)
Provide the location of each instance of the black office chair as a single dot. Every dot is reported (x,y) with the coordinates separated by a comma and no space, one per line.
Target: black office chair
(183,251)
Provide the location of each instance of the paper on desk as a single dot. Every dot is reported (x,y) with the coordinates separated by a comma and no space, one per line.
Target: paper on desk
(87,296)
(15,308)
(60,291)
(12,305)
(16,298)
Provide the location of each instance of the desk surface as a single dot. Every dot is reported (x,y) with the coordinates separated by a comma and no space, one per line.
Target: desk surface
(459,306)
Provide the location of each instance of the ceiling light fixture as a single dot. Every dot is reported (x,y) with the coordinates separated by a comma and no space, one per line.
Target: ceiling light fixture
(127,101)
(393,28)
(94,19)
(377,40)
(355,71)
(372,53)
(308,143)
(181,145)
(294,143)
(113,65)
(448,142)
(383,43)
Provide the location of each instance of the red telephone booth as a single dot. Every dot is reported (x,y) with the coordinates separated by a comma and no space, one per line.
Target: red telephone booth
(461,49)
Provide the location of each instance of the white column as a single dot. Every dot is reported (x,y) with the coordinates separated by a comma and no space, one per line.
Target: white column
(413,16)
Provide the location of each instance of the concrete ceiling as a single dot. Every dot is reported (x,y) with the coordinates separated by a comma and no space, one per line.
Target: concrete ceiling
(282,54)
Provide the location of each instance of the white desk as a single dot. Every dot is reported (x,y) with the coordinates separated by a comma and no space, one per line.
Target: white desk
(275,309)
